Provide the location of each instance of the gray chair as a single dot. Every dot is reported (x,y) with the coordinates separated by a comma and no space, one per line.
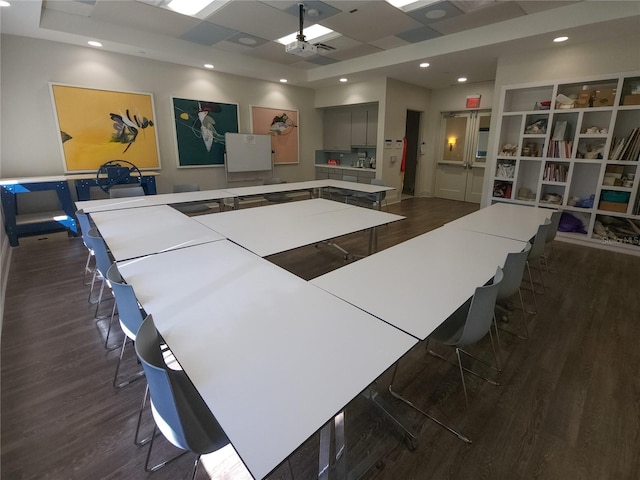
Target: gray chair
(276,197)
(513,273)
(536,256)
(343,194)
(178,410)
(467,325)
(123,192)
(547,256)
(373,199)
(190,208)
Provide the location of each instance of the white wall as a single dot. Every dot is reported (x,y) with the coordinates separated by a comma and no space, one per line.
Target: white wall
(400,98)
(570,63)
(30,144)
(450,99)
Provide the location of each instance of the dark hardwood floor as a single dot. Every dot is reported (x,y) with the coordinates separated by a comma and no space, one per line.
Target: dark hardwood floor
(568,406)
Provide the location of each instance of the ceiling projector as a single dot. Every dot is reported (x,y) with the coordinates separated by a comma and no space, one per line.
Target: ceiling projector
(301,48)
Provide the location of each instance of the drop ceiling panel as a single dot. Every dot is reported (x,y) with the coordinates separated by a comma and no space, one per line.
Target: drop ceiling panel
(387,43)
(435,12)
(255,18)
(143,17)
(479,18)
(206,33)
(365,25)
(534,7)
(356,52)
(273,52)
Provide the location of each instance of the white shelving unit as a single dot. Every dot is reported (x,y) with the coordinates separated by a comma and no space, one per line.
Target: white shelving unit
(559,145)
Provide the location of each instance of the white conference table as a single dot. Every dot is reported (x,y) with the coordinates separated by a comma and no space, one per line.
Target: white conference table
(106,204)
(518,222)
(135,232)
(219,195)
(277,228)
(430,276)
(273,356)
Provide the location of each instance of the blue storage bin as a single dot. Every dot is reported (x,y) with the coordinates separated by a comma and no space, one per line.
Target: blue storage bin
(615,196)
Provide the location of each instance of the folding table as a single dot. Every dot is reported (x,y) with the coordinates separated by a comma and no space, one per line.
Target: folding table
(254,341)
(134,232)
(277,228)
(518,222)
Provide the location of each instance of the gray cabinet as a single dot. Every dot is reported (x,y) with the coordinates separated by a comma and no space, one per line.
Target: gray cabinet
(364,125)
(337,129)
(345,127)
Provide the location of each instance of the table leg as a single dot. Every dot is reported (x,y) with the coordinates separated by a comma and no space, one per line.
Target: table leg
(373,240)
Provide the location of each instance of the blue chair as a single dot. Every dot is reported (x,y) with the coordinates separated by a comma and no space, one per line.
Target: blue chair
(130,315)
(85,226)
(178,410)
(103,262)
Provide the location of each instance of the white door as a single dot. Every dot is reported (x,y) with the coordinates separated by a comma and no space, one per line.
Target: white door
(462,155)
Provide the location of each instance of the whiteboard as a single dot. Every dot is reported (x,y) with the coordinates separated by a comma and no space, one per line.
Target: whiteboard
(247,152)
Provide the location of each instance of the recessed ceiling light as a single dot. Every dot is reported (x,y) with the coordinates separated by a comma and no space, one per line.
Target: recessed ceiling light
(462,79)
(188,7)
(560,39)
(436,13)
(343,80)
(409,5)
(93,43)
(208,65)
(3,3)
(247,41)
(283,80)
(424,65)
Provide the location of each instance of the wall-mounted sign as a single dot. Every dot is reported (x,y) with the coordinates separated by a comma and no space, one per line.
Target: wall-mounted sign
(473,101)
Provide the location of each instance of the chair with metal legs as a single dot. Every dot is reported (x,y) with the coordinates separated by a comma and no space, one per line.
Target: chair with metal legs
(130,314)
(547,256)
(373,199)
(178,410)
(513,273)
(103,262)
(191,208)
(85,226)
(467,325)
(343,194)
(276,197)
(535,255)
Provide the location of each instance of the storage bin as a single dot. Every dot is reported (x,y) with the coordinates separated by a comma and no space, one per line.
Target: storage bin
(614,196)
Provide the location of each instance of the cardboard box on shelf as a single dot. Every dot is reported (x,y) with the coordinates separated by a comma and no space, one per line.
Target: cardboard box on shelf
(632,99)
(613,206)
(604,97)
(615,169)
(583,99)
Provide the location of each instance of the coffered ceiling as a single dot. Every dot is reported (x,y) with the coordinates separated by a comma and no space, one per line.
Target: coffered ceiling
(369,39)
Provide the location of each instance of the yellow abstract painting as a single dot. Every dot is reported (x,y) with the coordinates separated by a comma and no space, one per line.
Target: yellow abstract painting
(97,126)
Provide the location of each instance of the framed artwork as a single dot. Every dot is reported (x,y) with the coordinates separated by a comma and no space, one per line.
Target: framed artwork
(282,125)
(97,126)
(200,126)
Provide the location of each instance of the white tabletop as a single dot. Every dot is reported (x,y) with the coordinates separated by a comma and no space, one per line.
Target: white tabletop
(508,220)
(275,188)
(273,356)
(134,232)
(356,186)
(430,277)
(278,228)
(106,204)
